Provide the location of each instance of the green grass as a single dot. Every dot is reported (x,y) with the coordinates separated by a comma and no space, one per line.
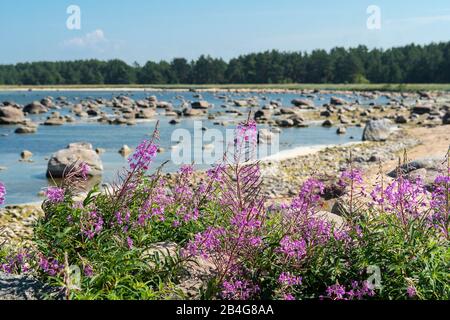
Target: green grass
(293,86)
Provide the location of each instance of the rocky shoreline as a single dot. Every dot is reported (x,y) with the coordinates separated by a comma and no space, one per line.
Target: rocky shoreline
(281,179)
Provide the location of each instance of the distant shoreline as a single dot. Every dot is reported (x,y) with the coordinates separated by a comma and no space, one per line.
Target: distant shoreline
(238,87)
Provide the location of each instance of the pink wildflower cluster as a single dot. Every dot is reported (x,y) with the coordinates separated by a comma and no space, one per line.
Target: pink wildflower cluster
(247,131)
(357,291)
(88,271)
(228,248)
(411,291)
(2,193)
(91,224)
(404,198)
(293,248)
(55,194)
(143,156)
(288,279)
(84,170)
(238,289)
(350,176)
(440,205)
(50,266)
(18,263)
(303,228)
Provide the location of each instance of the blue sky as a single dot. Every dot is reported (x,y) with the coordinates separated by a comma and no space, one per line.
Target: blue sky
(141,30)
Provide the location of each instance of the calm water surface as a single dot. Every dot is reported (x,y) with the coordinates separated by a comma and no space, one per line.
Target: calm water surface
(24,180)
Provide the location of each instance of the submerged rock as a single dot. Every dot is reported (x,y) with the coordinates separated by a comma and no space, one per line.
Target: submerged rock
(35,108)
(200,105)
(25,154)
(26,129)
(11,115)
(337,101)
(303,103)
(125,150)
(341,130)
(193,112)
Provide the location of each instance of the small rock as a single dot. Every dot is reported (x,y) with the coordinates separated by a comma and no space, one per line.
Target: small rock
(125,150)
(341,130)
(327,123)
(25,154)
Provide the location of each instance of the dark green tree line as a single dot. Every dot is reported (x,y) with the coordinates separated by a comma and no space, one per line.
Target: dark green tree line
(407,64)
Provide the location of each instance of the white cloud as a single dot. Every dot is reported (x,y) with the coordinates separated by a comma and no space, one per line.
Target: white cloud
(93,40)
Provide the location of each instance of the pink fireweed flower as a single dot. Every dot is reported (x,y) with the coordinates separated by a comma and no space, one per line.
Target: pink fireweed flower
(217,173)
(18,263)
(186,170)
(246,219)
(288,297)
(143,155)
(91,224)
(55,194)
(336,292)
(205,242)
(247,131)
(287,279)
(129,243)
(50,266)
(293,248)
(307,200)
(84,170)
(238,290)
(411,291)
(2,193)
(350,175)
(406,199)
(440,214)
(88,272)
(191,216)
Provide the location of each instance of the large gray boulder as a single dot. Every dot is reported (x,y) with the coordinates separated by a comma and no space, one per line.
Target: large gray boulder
(27,128)
(81,152)
(446,118)
(11,115)
(428,169)
(23,287)
(195,273)
(303,103)
(422,109)
(200,104)
(145,114)
(193,112)
(377,130)
(35,108)
(263,114)
(338,101)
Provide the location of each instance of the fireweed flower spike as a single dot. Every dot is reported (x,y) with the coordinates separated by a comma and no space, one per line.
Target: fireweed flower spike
(84,170)
(411,291)
(55,194)
(143,156)
(2,193)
